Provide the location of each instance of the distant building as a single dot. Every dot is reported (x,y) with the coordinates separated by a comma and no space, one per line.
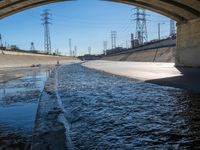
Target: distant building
(116,50)
(89,57)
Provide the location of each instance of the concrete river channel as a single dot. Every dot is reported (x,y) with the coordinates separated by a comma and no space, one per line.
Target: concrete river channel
(103,111)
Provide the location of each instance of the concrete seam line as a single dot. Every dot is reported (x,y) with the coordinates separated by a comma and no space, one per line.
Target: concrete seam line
(62,116)
(51,127)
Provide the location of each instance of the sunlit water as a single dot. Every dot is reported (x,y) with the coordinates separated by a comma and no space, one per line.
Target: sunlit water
(18,106)
(111,112)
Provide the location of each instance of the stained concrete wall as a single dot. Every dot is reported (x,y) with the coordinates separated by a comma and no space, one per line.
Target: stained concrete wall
(188,44)
(158,55)
(20,59)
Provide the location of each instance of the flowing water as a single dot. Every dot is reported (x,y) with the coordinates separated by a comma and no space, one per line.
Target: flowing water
(103,111)
(111,112)
(18,106)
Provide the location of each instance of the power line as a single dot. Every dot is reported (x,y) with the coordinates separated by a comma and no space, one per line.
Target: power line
(80,18)
(47,40)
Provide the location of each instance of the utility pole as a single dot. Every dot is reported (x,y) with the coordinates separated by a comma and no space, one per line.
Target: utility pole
(141,26)
(5,45)
(57,51)
(70,47)
(45,21)
(113,39)
(75,51)
(1,41)
(105,47)
(172,28)
(89,50)
(132,41)
(159,31)
(127,44)
(159,36)
(32,47)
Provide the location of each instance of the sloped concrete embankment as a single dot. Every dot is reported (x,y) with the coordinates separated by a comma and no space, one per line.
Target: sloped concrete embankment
(51,127)
(20,59)
(165,54)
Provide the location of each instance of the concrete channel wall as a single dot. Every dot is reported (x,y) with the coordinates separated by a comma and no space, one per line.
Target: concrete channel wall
(159,51)
(165,54)
(22,59)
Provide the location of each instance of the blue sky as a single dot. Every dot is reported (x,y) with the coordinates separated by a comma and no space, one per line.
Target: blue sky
(86,22)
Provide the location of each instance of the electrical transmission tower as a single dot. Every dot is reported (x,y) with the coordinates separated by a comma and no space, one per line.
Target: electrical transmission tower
(113,39)
(172,28)
(141,25)
(45,21)
(32,47)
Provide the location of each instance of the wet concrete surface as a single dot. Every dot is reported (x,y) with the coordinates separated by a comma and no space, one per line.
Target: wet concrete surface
(12,73)
(105,111)
(18,106)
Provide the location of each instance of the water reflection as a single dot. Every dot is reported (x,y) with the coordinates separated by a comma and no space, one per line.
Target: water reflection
(18,90)
(18,105)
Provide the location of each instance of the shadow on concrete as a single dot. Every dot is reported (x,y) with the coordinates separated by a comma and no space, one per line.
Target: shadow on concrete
(189,71)
(189,80)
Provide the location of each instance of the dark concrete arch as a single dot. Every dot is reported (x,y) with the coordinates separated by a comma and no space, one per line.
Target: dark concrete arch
(10,7)
(179,10)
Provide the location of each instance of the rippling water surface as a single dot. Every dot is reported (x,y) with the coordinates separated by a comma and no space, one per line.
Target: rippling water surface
(111,112)
(18,105)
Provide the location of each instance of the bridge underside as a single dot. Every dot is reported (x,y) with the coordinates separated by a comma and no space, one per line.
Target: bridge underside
(185,12)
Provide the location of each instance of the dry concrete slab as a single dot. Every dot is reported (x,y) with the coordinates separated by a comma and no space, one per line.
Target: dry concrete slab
(158,73)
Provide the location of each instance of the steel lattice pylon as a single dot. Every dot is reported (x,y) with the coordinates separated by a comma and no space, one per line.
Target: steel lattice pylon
(141,28)
(47,40)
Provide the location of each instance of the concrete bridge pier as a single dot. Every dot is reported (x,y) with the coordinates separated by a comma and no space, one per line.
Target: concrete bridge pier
(188,44)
